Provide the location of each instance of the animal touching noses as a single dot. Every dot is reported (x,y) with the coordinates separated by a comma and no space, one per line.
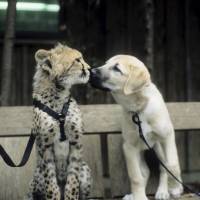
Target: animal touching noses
(94,75)
(94,72)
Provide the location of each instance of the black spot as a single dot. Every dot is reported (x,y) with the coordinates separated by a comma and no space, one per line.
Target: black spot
(49,196)
(56,97)
(76,168)
(72,127)
(73,159)
(73,191)
(51,130)
(46,139)
(77,136)
(48,161)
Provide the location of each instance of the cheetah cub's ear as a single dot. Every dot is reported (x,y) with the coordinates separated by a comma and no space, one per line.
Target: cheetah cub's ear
(42,58)
(41,55)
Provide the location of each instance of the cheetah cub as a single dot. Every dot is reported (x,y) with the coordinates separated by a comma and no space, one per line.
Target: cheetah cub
(60,171)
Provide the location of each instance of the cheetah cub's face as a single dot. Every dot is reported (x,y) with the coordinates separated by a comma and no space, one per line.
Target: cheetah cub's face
(63,65)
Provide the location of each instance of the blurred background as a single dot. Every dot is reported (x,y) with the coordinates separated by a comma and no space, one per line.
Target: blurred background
(164,34)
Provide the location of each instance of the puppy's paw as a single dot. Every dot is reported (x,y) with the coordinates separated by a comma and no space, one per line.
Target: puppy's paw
(176,191)
(136,197)
(128,197)
(162,194)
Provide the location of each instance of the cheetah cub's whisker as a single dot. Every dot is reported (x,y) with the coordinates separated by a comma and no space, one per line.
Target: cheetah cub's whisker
(60,171)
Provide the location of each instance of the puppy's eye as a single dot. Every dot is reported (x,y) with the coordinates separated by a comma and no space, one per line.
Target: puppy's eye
(116,68)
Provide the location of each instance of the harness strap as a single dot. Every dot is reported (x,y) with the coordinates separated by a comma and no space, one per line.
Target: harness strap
(46,109)
(58,116)
(25,157)
(136,120)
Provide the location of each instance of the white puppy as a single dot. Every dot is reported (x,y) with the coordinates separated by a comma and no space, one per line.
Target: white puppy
(129,82)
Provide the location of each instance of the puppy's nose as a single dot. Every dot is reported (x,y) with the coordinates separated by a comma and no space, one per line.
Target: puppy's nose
(93,71)
(92,74)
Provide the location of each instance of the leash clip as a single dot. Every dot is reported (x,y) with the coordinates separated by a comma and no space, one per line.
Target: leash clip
(136,119)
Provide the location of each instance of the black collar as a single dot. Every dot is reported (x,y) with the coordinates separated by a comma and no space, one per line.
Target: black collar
(58,116)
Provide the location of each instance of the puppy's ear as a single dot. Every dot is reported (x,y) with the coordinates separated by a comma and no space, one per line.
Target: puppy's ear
(138,77)
(42,58)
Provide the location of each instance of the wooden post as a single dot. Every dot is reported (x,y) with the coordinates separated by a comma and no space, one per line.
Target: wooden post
(149,39)
(8,52)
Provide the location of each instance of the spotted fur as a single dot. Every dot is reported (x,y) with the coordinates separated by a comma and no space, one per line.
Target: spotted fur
(60,172)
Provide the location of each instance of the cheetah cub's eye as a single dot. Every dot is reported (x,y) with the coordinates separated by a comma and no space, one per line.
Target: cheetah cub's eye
(78,60)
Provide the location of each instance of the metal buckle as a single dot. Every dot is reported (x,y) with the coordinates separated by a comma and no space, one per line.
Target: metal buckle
(61,117)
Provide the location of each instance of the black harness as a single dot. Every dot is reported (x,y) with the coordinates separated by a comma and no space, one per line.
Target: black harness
(60,117)
(136,120)
(57,116)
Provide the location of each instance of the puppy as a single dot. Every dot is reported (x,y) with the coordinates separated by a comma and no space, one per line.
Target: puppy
(130,84)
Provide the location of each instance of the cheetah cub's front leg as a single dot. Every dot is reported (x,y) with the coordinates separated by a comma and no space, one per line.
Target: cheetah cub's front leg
(78,183)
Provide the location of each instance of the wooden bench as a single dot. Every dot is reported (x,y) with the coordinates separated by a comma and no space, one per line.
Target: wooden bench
(102,147)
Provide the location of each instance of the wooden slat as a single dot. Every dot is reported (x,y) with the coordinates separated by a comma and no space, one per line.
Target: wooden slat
(92,155)
(118,173)
(185,116)
(15,181)
(98,118)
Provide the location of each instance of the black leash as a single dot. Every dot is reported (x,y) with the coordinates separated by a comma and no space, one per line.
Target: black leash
(26,154)
(136,120)
(58,116)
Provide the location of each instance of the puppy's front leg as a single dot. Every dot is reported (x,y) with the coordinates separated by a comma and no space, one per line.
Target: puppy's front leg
(132,156)
(169,147)
(162,191)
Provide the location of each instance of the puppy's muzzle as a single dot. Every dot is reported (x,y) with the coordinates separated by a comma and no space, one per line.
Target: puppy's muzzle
(96,79)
